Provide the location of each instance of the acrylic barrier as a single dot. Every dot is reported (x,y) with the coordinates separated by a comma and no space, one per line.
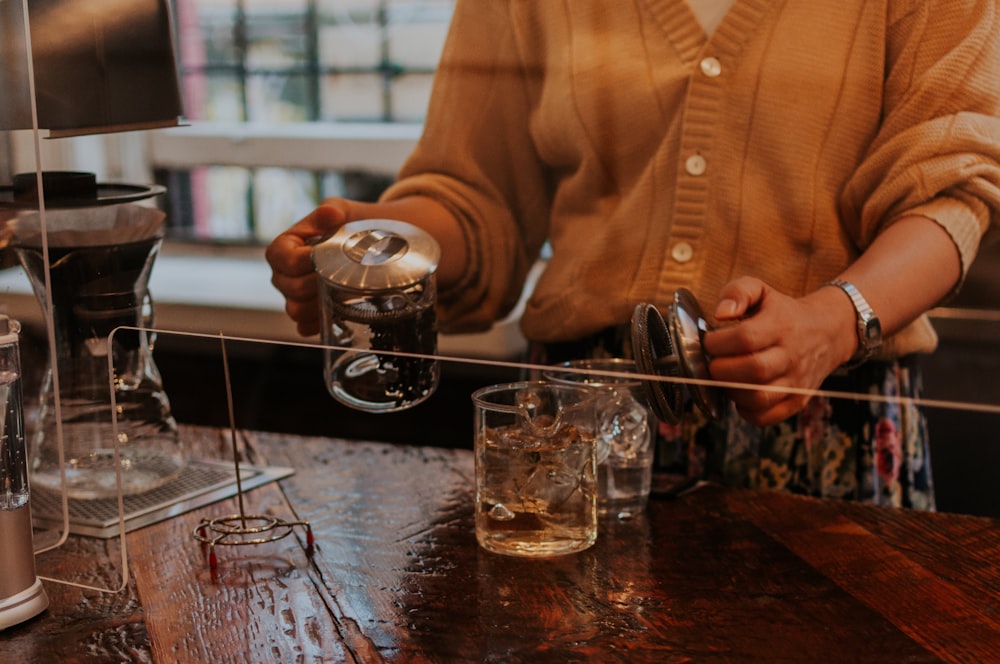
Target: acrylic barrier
(105,395)
(128,440)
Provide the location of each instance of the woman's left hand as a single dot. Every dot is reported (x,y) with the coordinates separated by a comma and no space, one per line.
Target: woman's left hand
(768,339)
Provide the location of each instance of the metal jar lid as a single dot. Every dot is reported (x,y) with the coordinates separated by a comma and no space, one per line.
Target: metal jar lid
(376,255)
(672,348)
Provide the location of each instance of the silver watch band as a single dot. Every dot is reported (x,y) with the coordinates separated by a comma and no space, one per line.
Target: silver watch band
(869,328)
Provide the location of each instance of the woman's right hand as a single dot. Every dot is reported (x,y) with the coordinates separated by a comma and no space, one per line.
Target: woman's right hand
(290,254)
(290,258)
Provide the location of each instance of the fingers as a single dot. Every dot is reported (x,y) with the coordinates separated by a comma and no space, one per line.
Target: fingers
(766,343)
(764,407)
(745,354)
(739,298)
(751,340)
(301,300)
(765,399)
(297,289)
(293,276)
(755,367)
(306,316)
(292,271)
(290,253)
(751,351)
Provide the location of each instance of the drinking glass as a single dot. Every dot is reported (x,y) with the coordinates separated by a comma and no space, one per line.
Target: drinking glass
(536,469)
(625,427)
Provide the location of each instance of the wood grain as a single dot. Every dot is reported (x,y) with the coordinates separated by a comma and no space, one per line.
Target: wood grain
(892,580)
(719,575)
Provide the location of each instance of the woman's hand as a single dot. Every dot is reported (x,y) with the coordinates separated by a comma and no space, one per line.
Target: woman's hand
(768,339)
(772,340)
(290,258)
(290,254)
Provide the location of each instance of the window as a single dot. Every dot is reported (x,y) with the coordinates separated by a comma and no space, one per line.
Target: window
(283,97)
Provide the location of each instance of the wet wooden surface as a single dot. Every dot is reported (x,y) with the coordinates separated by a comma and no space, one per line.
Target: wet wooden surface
(717,575)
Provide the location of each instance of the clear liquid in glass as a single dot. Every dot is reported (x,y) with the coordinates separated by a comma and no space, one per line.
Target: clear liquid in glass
(625,457)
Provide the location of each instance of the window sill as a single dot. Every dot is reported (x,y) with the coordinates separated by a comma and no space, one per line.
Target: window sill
(321,146)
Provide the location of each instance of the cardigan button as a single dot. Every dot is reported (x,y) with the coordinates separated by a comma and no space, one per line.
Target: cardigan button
(695,164)
(682,252)
(710,67)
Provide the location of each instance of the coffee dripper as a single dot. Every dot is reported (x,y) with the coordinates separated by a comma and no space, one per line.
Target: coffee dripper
(101,248)
(377,294)
(21,593)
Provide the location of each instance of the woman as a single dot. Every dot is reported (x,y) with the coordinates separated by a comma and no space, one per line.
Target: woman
(752,151)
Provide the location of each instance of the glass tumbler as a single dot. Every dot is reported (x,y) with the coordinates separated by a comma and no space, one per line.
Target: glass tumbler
(536,491)
(625,427)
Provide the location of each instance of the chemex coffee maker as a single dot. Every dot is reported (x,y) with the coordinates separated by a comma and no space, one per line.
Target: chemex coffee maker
(101,245)
(75,68)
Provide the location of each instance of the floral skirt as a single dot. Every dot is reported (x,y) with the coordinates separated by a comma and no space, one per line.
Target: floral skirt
(866,440)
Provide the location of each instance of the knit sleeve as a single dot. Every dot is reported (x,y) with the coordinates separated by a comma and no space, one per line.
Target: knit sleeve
(476,157)
(937,151)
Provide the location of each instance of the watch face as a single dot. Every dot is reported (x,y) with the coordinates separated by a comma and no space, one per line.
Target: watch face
(873,333)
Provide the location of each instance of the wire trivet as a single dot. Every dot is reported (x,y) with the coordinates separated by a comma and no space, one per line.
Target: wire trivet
(243,529)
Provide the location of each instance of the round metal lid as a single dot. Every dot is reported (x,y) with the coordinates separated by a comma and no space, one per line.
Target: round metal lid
(655,356)
(376,255)
(672,348)
(70,189)
(687,327)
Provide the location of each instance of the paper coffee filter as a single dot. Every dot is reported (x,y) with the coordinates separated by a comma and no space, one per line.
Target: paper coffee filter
(89,227)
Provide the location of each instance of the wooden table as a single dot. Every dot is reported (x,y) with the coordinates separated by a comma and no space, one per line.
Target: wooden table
(716,575)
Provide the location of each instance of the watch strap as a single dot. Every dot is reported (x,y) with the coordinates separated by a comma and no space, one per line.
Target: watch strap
(869,328)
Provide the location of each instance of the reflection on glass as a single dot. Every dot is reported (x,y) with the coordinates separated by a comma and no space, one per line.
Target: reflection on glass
(274,37)
(350,46)
(221,98)
(416,45)
(278,97)
(410,94)
(281,50)
(227,189)
(207,27)
(351,97)
(281,195)
(290,61)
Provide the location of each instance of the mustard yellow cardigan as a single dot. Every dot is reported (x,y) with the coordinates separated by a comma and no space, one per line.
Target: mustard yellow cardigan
(653,156)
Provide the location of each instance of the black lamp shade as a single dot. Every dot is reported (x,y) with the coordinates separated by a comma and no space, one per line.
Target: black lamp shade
(99,65)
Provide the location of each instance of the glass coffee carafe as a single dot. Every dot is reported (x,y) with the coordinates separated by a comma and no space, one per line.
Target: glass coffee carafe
(101,248)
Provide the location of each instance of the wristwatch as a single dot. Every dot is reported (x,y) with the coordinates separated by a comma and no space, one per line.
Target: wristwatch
(869,326)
